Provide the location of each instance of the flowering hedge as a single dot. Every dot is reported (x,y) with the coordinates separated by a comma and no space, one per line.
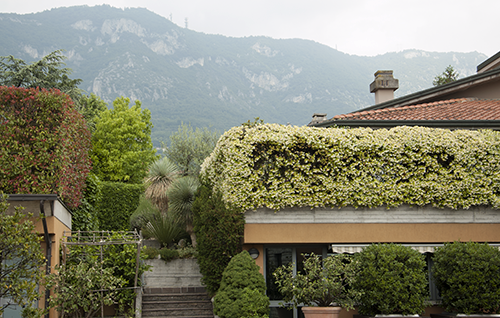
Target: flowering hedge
(279,166)
(44,145)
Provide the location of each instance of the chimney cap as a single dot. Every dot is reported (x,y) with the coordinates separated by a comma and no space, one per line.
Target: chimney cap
(384,81)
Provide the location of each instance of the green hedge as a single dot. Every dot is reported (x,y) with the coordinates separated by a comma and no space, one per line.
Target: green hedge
(219,235)
(279,166)
(119,201)
(391,280)
(468,277)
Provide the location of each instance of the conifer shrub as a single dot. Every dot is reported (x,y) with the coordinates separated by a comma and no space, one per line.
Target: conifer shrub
(468,277)
(392,280)
(242,290)
(219,232)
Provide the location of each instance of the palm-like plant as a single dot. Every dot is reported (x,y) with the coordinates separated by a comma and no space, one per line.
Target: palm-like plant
(181,196)
(160,176)
(161,226)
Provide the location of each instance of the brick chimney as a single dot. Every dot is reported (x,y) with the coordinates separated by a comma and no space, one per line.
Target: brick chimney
(384,86)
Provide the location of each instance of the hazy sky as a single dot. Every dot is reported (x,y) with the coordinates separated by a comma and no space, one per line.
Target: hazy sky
(360,27)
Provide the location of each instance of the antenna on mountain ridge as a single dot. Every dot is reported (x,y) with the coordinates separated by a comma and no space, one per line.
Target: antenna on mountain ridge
(186,23)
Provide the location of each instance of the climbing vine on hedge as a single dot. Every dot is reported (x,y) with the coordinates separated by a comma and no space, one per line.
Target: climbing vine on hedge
(44,145)
(279,166)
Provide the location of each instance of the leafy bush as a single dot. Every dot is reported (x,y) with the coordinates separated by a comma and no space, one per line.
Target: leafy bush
(150,252)
(468,277)
(45,144)
(188,252)
(77,299)
(322,282)
(21,258)
(219,231)
(242,290)
(85,216)
(392,280)
(119,201)
(167,254)
(286,166)
(120,260)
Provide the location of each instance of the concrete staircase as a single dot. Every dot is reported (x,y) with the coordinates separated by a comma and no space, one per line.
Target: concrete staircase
(174,289)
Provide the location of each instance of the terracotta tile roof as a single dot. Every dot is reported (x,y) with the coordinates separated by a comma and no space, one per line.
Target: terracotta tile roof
(453,109)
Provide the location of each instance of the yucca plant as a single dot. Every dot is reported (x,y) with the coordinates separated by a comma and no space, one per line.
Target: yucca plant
(160,176)
(162,226)
(181,197)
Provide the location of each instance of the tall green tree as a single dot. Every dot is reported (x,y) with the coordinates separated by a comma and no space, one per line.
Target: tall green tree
(122,147)
(449,75)
(90,106)
(48,72)
(20,260)
(189,147)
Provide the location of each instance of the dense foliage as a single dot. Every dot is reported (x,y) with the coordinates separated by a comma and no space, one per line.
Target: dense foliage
(448,76)
(219,231)
(44,145)
(122,148)
(85,217)
(322,282)
(77,289)
(285,166)
(242,292)
(189,147)
(21,258)
(391,279)
(119,201)
(118,261)
(468,277)
(48,72)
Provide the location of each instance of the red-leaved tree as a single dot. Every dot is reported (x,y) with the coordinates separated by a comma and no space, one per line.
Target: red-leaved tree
(44,144)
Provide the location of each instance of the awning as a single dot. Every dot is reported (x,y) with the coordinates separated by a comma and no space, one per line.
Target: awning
(356,248)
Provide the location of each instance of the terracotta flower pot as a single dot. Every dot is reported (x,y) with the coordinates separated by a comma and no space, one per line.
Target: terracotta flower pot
(321,312)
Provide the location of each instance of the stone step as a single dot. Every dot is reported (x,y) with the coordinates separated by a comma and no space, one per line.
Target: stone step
(158,305)
(175,297)
(177,312)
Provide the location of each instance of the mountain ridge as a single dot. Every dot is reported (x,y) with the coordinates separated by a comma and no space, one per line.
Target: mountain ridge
(212,80)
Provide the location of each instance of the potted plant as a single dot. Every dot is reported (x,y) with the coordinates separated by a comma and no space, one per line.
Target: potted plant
(392,280)
(468,277)
(323,286)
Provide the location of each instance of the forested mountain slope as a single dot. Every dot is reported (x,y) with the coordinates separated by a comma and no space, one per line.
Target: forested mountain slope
(212,80)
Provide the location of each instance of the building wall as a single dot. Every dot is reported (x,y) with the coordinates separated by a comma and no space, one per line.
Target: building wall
(404,224)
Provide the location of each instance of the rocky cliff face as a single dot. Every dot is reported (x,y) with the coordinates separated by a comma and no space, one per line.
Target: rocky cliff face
(211,80)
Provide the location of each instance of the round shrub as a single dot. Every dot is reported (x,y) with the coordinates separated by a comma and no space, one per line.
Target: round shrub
(242,290)
(167,254)
(150,252)
(392,280)
(468,277)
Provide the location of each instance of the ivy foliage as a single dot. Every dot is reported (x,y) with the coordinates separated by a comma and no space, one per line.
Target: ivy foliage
(21,258)
(467,275)
(391,280)
(122,148)
(219,232)
(118,203)
(44,145)
(278,166)
(242,293)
